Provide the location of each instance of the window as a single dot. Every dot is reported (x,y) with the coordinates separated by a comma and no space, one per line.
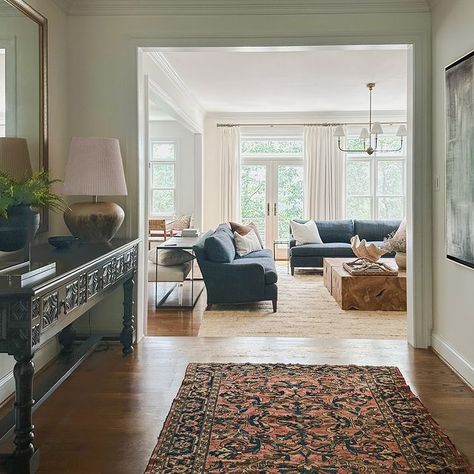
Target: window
(271,181)
(163,179)
(375,186)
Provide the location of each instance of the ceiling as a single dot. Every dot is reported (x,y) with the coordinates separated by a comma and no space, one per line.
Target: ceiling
(313,79)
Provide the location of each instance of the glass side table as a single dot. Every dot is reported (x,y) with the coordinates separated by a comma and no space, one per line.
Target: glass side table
(285,242)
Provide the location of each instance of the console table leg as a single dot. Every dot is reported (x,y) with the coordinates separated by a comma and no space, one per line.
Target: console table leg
(126,336)
(25,457)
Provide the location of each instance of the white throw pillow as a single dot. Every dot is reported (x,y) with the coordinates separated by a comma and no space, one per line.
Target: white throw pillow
(246,244)
(305,233)
(169,257)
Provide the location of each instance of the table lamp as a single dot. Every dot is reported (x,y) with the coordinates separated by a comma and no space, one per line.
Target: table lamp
(94,168)
(14,158)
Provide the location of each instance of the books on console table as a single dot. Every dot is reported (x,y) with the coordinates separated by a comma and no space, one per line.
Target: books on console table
(25,274)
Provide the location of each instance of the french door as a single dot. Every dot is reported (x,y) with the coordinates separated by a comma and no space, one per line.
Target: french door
(271,195)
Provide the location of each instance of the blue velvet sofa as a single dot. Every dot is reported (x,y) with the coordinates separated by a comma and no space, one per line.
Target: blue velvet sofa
(232,279)
(336,236)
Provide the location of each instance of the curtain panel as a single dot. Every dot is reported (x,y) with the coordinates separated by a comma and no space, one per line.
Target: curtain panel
(229,152)
(324,174)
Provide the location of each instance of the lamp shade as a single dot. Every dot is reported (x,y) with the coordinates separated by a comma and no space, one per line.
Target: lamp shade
(377,128)
(339,131)
(14,158)
(364,134)
(94,168)
(402,131)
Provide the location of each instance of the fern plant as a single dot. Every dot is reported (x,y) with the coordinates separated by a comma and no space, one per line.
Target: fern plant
(34,191)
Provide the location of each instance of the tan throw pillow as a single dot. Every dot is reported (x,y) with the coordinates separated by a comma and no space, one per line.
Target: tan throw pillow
(245,244)
(242,229)
(169,257)
(180,223)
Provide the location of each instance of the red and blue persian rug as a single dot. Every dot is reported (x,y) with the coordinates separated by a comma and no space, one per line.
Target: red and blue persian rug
(297,419)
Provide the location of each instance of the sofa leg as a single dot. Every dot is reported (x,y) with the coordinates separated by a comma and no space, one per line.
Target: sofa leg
(274,302)
(292,271)
(209,307)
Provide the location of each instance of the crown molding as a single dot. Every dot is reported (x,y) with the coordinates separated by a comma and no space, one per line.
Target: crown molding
(239,7)
(297,117)
(160,60)
(64,5)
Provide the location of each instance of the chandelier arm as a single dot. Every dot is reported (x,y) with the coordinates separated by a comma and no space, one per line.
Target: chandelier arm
(393,151)
(346,150)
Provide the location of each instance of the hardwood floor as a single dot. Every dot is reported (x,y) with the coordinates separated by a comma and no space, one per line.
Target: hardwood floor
(174,322)
(107,416)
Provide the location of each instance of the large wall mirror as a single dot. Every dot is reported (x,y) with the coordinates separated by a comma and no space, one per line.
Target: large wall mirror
(23,85)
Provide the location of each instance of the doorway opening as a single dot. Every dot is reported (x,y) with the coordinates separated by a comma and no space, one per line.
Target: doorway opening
(272,177)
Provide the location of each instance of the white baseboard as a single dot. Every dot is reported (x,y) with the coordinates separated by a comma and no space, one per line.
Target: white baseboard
(457,362)
(41,358)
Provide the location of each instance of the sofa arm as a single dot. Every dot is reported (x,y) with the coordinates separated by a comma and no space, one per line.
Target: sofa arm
(291,241)
(227,282)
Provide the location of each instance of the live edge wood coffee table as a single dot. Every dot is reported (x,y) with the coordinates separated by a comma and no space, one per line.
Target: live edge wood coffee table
(367,293)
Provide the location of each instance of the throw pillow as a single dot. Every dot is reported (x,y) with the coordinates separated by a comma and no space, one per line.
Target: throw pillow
(180,223)
(169,257)
(246,244)
(245,229)
(306,233)
(219,247)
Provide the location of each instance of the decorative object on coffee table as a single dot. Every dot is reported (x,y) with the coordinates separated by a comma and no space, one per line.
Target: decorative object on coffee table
(397,242)
(268,418)
(367,263)
(94,168)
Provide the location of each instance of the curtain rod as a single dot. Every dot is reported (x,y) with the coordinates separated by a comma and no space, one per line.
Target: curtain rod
(324,124)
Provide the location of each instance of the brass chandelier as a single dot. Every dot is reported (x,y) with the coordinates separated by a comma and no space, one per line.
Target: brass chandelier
(370,134)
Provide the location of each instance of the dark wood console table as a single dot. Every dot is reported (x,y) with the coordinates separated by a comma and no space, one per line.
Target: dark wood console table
(30,316)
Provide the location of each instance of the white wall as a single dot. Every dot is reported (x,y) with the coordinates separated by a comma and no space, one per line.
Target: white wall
(185,162)
(453,298)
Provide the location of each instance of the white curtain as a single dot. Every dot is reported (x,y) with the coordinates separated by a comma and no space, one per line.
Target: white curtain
(324,174)
(229,152)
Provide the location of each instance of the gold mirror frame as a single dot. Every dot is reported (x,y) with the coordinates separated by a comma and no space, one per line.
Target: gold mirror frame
(42,23)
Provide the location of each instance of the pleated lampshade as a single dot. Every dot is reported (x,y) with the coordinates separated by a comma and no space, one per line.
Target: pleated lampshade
(15,158)
(94,168)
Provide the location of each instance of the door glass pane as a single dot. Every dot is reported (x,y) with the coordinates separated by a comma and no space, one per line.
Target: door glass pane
(253,196)
(290,197)
(390,178)
(358,178)
(359,208)
(162,201)
(390,208)
(163,175)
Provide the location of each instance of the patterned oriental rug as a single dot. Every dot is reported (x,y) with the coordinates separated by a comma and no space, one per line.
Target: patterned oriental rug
(297,419)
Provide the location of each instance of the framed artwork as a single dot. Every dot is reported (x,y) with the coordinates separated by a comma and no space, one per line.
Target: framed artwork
(460,160)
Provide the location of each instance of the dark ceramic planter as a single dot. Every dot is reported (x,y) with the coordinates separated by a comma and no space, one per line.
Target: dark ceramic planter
(19,229)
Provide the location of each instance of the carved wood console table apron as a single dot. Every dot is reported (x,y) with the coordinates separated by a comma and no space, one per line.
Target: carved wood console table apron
(30,316)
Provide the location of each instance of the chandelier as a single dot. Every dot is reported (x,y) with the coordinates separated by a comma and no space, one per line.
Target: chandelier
(370,135)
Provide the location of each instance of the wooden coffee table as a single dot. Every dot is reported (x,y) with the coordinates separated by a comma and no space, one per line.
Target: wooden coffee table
(367,293)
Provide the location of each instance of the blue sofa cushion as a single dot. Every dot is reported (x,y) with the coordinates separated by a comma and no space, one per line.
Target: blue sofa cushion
(268,265)
(225,228)
(373,230)
(334,249)
(219,247)
(264,253)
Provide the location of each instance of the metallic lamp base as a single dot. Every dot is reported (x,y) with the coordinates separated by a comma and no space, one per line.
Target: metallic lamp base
(94,221)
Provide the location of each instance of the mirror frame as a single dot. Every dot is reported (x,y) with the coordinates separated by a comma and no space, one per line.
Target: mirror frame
(42,23)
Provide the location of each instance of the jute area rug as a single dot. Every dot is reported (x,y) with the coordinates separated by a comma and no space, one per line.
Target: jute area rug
(272,419)
(305,309)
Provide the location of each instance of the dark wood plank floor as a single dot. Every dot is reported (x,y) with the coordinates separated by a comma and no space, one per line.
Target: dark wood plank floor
(107,416)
